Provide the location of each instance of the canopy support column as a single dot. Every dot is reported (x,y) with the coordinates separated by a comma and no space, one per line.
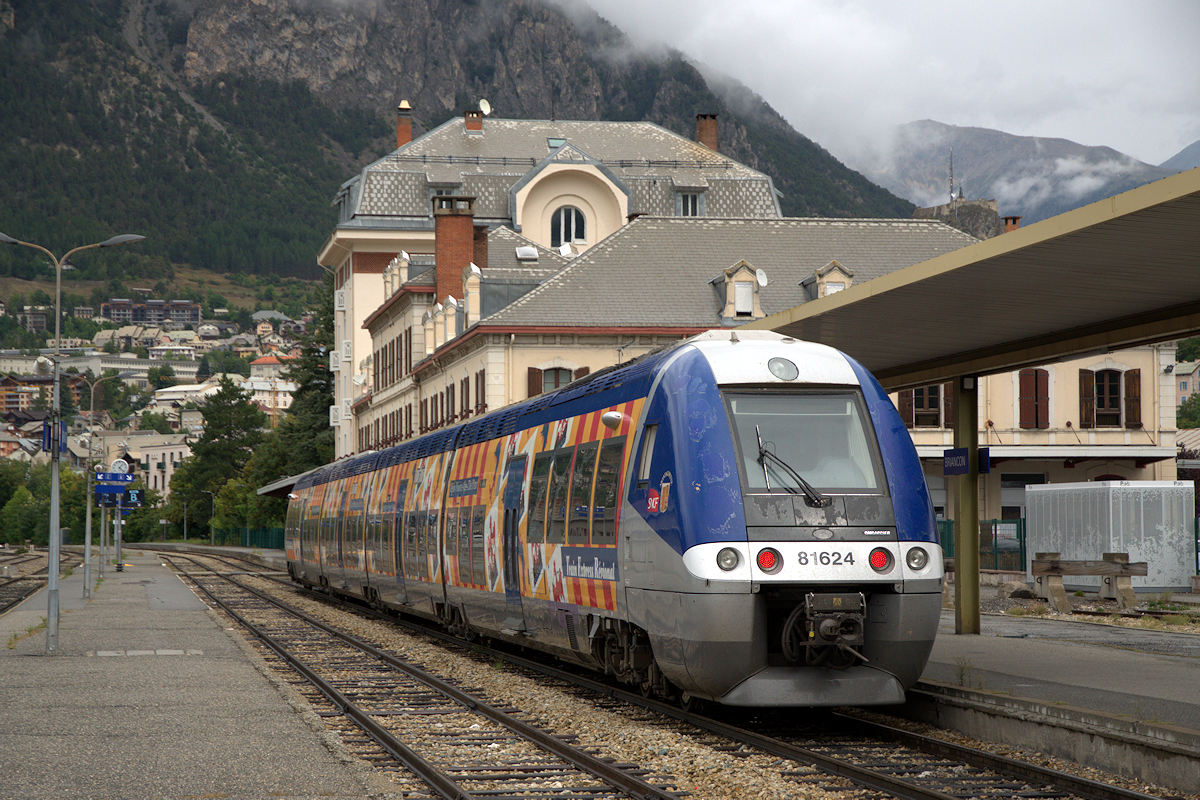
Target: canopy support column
(966,508)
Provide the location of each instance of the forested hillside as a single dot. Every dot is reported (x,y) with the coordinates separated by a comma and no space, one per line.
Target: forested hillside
(221,129)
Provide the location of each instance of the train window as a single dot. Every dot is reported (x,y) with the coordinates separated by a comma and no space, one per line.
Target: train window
(648,437)
(537,497)
(581,493)
(477,559)
(398,527)
(450,543)
(412,545)
(556,505)
(820,435)
(464,545)
(431,543)
(608,479)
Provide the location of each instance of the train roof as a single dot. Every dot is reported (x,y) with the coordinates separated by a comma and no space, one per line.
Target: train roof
(601,389)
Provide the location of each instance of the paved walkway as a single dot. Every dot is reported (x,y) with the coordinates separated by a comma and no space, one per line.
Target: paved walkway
(149,697)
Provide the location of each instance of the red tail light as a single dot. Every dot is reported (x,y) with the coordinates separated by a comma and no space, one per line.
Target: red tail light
(769,560)
(881,559)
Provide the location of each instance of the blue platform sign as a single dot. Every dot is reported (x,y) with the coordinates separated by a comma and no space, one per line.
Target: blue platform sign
(955,461)
(48,436)
(114,477)
(106,489)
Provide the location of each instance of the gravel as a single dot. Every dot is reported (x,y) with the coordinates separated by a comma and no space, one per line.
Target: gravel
(662,748)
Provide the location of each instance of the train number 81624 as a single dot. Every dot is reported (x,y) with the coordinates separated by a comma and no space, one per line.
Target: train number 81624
(823,559)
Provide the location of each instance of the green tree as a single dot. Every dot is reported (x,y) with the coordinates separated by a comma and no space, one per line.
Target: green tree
(203,370)
(161,377)
(225,360)
(153,421)
(1188,414)
(232,431)
(12,475)
(19,518)
(1189,350)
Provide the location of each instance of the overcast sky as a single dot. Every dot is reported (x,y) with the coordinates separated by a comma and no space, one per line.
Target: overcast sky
(1099,72)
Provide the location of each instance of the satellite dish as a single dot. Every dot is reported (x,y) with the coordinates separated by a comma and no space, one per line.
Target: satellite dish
(485,106)
(761,277)
(565,250)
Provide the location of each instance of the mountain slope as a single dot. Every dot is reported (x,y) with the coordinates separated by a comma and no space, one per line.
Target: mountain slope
(1187,158)
(221,129)
(1029,176)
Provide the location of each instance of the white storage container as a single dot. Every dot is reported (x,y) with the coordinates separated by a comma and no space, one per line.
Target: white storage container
(1152,521)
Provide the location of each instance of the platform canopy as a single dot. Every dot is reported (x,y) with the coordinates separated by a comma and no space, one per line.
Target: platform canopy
(1117,273)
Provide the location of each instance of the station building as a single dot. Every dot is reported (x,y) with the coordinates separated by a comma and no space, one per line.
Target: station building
(492,260)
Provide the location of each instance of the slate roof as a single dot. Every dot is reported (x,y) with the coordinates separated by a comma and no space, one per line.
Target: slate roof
(658,271)
(647,159)
(503,264)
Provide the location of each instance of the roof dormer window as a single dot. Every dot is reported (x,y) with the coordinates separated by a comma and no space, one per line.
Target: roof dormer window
(689,204)
(743,298)
(738,291)
(567,226)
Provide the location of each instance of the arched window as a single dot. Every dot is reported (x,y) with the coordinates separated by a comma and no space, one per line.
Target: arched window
(566,226)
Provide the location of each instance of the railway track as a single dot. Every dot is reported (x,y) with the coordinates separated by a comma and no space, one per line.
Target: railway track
(840,752)
(16,588)
(403,719)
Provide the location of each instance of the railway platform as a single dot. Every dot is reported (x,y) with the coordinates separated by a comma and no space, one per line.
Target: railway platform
(150,697)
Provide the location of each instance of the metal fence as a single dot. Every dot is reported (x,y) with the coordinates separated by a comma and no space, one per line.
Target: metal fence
(1001,543)
(265,538)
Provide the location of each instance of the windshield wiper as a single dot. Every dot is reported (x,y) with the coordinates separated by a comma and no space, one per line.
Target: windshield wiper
(812,496)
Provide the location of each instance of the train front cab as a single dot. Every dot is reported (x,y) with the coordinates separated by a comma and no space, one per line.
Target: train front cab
(779,595)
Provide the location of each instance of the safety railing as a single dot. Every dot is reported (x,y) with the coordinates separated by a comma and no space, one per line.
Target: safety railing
(264,538)
(1001,543)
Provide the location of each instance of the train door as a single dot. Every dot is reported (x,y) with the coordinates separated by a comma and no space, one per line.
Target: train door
(511,546)
(396,542)
(332,523)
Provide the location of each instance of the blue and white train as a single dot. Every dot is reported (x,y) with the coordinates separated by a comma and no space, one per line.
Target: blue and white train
(739,518)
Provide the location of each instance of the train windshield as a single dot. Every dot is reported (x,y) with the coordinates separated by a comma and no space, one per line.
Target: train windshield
(821,436)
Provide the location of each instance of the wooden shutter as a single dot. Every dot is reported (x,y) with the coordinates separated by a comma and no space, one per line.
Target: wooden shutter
(1087,398)
(1028,396)
(1043,398)
(947,390)
(1133,398)
(579,373)
(906,406)
(535,382)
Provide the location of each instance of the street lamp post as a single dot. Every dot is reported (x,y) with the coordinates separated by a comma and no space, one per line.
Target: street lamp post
(56,423)
(87,536)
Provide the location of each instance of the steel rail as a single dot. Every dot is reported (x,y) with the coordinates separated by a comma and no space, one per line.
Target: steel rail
(1014,768)
(445,786)
(597,767)
(1023,770)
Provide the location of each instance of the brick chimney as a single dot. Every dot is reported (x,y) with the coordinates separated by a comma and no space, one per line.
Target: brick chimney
(403,123)
(706,130)
(454,242)
(473,121)
(481,246)
(1011,224)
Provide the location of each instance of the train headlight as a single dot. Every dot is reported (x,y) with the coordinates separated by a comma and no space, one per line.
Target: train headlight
(917,558)
(769,560)
(880,559)
(728,558)
(783,369)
